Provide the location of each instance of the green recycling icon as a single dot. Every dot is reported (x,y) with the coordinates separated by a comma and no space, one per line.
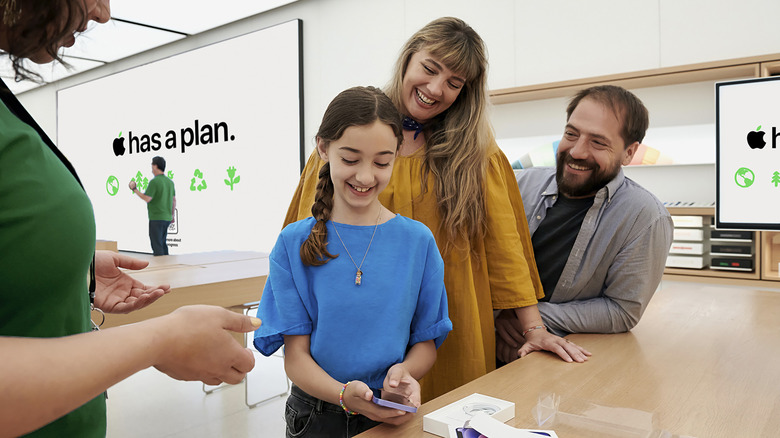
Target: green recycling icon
(198,175)
(112,185)
(170,174)
(233,178)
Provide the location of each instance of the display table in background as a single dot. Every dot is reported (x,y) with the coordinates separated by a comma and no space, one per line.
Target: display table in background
(703,358)
(222,278)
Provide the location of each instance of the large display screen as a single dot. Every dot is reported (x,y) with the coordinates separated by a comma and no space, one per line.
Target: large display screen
(748,154)
(226,117)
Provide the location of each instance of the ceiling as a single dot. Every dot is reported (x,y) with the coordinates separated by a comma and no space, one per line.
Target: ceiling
(140,25)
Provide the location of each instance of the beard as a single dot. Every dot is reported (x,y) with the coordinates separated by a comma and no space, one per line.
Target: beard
(579,189)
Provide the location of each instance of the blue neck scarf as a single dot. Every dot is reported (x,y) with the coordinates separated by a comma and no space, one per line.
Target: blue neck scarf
(413,125)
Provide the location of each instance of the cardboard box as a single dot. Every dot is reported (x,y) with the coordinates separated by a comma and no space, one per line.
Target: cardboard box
(457,413)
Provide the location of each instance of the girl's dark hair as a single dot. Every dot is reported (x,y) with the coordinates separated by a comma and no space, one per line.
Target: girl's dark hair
(357,106)
(32,25)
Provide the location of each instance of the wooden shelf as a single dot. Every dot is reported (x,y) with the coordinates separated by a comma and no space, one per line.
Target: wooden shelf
(755,66)
(770,255)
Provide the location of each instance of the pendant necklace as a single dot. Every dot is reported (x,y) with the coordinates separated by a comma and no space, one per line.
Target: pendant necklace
(359,274)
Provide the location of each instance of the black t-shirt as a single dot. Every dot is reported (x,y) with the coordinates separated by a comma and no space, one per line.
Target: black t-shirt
(555,237)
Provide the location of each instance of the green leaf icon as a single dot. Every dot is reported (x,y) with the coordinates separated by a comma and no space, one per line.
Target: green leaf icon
(759,128)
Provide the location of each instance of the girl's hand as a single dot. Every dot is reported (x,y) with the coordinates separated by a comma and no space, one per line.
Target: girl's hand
(357,398)
(400,383)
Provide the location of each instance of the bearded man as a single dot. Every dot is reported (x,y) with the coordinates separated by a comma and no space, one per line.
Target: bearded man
(599,238)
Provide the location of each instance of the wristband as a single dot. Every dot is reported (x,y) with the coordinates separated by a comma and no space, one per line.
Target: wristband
(341,400)
(538,327)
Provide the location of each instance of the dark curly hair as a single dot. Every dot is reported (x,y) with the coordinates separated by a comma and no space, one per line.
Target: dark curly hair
(31,25)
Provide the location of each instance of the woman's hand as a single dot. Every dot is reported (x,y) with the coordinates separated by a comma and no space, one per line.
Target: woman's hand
(197,344)
(118,292)
(541,339)
(509,329)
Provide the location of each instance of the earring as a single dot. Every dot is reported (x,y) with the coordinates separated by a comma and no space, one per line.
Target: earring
(11,12)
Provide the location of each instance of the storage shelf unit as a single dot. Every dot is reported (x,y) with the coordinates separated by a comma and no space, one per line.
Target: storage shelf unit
(766,253)
(766,250)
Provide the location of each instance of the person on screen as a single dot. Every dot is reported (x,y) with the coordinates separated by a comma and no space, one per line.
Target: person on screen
(600,239)
(54,368)
(451,176)
(355,292)
(160,198)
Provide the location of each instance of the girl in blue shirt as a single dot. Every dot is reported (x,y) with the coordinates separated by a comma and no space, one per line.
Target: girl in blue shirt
(355,293)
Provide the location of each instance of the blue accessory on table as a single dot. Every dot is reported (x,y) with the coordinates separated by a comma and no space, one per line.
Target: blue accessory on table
(413,125)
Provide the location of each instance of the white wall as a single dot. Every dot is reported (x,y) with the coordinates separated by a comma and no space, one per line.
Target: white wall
(355,42)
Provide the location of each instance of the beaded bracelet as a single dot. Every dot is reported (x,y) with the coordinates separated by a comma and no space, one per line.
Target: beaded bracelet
(538,327)
(341,399)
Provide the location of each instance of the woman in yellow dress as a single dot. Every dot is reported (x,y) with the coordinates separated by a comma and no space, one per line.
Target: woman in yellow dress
(451,176)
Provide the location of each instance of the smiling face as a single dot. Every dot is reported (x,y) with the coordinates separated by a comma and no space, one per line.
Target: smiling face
(429,87)
(592,150)
(361,163)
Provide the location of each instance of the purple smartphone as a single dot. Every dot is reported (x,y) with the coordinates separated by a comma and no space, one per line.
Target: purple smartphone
(394,405)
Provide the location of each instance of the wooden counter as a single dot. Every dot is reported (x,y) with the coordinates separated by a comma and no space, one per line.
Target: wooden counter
(221,278)
(704,358)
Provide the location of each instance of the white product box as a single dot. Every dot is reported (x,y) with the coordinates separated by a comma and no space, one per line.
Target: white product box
(488,426)
(688,221)
(457,413)
(694,262)
(688,234)
(686,248)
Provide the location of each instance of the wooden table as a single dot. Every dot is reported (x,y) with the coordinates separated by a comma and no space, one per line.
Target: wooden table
(221,278)
(704,359)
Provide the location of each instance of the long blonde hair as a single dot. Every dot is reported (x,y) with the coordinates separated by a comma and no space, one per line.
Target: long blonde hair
(357,106)
(458,138)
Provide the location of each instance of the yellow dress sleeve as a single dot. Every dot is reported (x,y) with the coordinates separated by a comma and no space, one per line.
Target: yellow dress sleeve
(509,252)
(303,199)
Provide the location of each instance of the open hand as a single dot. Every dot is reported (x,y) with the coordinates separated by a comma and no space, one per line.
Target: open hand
(118,292)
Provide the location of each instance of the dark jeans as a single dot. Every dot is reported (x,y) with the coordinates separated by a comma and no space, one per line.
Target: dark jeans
(158,233)
(310,417)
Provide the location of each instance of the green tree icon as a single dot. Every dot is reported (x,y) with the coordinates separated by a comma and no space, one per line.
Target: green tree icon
(141,181)
(198,175)
(233,178)
(776,178)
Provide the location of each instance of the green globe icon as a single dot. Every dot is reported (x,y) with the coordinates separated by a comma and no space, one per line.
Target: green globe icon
(744,177)
(112,185)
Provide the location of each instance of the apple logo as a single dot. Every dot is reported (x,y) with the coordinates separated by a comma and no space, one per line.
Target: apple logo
(755,139)
(119,145)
